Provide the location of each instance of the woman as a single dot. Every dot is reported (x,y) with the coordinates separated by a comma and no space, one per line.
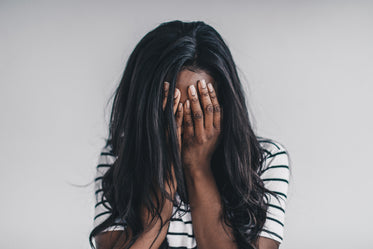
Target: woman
(181,149)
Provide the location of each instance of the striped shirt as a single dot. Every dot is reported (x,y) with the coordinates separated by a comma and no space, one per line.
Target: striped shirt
(275,176)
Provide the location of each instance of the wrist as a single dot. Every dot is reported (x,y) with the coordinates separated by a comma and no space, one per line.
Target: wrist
(195,171)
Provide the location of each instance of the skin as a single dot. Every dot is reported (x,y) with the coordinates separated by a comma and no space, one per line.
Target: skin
(199,133)
(198,143)
(201,127)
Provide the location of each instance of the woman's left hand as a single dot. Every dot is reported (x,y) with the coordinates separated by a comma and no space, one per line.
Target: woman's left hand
(202,129)
(178,111)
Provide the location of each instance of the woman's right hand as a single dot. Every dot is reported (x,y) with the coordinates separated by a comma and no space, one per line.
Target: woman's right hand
(178,111)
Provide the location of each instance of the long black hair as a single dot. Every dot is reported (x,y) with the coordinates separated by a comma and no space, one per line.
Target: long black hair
(137,135)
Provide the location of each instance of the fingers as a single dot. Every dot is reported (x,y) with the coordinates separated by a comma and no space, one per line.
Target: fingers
(196,110)
(188,122)
(179,121)
(177,95)
(177,109)
(216,106)
(211,115)
(208,109)
(176,99)
(166,87)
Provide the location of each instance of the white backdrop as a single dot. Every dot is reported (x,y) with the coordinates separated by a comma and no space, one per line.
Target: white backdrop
(307,68)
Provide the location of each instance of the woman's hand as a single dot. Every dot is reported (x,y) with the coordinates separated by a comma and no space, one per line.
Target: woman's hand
(201,128)
(178,110)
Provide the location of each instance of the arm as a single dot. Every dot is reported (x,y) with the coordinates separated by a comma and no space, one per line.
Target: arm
(209,231)
(201,137)
(266,243)
(205,203)
(275,175)
(115,239)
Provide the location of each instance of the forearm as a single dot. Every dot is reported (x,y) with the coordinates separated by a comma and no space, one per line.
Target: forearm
(205,203)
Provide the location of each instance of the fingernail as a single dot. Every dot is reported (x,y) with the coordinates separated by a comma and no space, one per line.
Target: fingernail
(187,103)
(176,93)
(203,84)
(166,85)
(209,85)
(180,106)
(193,90)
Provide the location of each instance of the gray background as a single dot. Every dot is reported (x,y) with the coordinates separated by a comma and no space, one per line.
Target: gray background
(307,70)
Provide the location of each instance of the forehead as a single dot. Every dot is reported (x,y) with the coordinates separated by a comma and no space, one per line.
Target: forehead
(187,77)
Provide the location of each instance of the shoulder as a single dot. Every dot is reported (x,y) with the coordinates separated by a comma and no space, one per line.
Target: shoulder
(276,155)
(271,146)
(105,160)
(107,153)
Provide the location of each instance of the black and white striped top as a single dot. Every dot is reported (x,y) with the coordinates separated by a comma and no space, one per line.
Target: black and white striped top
(275,176)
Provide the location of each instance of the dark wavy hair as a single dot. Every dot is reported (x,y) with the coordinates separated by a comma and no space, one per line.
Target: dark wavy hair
(137,134)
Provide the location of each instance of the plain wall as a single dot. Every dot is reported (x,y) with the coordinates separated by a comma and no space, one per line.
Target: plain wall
(307,69)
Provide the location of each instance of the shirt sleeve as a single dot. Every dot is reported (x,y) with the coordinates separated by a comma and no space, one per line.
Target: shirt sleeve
(101,212)
(275,176)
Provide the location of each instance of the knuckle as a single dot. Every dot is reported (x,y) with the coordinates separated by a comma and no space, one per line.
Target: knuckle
(216,108)
(194,100)
(201,140)
(209,108)
(212,95)
(197,115)
(187,141)
(209,135)
(179,115)
(205,93)
(188,123)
